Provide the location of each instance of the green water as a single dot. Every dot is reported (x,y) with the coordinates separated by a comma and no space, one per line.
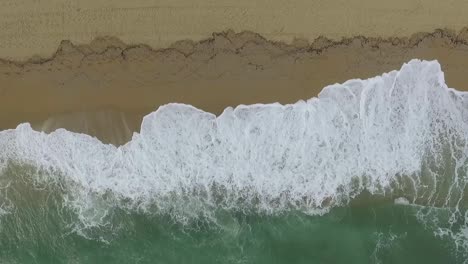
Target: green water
(38,227)
(372,234)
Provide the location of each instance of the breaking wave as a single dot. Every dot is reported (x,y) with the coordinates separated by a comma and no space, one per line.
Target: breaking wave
(402,135)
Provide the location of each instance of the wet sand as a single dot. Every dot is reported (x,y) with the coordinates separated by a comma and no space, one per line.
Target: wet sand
(104,88)
(163,51)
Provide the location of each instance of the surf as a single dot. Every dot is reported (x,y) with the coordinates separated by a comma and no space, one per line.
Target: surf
(400,136)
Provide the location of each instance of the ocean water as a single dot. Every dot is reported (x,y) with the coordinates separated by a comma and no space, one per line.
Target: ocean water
(370,171)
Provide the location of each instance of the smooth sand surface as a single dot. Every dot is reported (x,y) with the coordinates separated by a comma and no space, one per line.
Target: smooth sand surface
(165,51)
(29,27)
(106,87)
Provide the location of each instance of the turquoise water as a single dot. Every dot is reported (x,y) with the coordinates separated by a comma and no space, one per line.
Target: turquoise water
(374,233)
(42,230)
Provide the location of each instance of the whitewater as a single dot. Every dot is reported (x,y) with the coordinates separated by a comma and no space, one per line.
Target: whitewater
(400,139)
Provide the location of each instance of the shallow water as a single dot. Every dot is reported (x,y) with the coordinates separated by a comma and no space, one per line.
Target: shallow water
(374,230)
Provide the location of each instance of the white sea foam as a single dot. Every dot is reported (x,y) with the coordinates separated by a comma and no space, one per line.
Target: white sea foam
(401,201)
(379,134)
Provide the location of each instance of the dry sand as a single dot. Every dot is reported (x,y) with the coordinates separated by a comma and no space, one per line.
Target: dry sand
(105,88)
(30,27)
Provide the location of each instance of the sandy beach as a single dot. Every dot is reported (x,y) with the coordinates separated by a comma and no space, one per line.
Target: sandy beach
(99,67)
(36,27)
(108,86)
(119,141)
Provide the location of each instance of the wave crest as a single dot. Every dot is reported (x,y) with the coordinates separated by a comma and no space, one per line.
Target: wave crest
(403,133)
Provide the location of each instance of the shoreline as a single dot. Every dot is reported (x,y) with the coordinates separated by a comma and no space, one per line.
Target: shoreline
(35,27)
(108,86)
